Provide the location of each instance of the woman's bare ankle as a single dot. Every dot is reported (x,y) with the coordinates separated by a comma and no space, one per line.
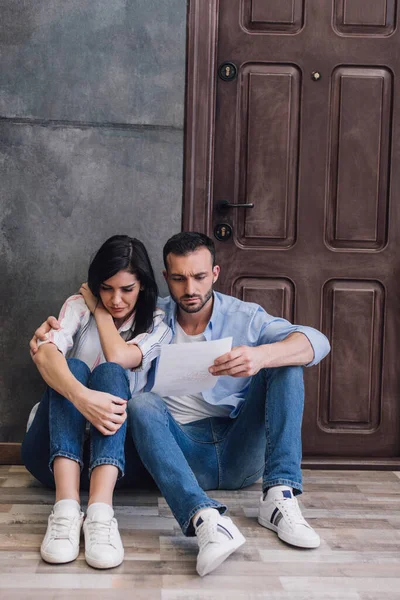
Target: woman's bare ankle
(102,484)
(67,496)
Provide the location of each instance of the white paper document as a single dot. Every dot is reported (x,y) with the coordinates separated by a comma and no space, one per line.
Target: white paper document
(183,368)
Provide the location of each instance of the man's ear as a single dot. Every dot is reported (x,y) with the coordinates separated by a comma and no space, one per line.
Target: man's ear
(216,271)
(165,274)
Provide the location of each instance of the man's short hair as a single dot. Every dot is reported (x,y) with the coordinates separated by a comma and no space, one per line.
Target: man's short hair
(187,242)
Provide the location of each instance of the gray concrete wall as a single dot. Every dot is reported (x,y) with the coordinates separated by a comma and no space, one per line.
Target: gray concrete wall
(91,144)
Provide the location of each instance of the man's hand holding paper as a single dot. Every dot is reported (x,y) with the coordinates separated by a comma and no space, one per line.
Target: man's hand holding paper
(241,361)
(184,368)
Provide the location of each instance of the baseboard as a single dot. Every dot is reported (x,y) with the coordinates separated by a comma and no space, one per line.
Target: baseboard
(10,454)
(355,463)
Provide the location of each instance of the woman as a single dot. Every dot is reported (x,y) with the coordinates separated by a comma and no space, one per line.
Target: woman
(100,356)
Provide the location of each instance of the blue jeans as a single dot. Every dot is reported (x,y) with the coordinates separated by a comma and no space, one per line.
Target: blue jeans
(223,453)
(58,429)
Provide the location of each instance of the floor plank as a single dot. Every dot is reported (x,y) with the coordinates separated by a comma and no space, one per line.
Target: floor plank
(357,514)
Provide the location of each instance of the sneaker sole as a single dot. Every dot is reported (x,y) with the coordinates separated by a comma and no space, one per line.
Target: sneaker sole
(97,564)
(286,537)
(49,558)
(214,564)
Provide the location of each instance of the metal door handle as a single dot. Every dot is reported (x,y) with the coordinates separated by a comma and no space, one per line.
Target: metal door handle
(225,205)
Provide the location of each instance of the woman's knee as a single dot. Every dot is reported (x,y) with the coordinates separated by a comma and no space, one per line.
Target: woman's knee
(111,369)
(79,369)
(112,378)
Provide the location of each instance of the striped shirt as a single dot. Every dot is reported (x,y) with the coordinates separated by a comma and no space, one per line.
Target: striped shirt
(78,337)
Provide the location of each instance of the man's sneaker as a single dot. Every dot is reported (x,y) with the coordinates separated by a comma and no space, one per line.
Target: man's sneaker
(103,545)
(61,542)
(217,537)
(280,511)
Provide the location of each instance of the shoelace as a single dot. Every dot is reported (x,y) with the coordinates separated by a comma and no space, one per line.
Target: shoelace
(61,527)
(100,532)
(207,532)
(291,508)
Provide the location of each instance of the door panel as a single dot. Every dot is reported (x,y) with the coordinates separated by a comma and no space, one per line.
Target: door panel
(308,131)
(359,157)
(276,294)
(352,313)
(274,15)
(365,17)
(267,165)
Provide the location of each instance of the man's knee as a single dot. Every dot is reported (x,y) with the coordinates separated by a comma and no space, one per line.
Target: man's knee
(290,373)
(145,408)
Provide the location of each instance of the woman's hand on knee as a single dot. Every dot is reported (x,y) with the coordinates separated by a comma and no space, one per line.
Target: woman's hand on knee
(104,411)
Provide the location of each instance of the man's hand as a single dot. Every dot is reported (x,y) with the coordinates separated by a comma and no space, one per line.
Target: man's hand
(41,332)
(242,361)
(104,411)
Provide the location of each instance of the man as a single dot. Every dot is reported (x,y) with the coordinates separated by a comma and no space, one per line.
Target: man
(248,426)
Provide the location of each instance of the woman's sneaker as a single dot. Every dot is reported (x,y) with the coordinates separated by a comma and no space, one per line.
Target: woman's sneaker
(280,511)
(103,545)
(61,542)
(217,537)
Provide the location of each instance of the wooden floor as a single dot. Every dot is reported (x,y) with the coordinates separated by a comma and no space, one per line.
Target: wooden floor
(357,515)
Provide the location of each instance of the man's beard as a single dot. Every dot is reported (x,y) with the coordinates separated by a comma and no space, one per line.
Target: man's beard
(194,309)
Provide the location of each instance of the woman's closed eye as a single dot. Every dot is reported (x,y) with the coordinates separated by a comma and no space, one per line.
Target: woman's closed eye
(123,289)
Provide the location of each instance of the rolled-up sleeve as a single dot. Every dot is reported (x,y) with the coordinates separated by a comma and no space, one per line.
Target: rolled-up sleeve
(150,343)
(72,313)
(275,329)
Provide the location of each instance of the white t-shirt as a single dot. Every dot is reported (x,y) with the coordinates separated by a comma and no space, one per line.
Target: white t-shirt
(192,407)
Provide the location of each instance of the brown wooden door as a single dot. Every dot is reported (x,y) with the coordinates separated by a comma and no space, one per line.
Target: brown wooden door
(308,132)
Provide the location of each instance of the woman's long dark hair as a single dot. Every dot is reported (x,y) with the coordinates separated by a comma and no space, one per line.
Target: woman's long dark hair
(123,253)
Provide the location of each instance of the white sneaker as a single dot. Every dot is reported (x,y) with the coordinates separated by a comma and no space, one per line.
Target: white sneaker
(103,545)
(280,512)
(61,542)
(217,537)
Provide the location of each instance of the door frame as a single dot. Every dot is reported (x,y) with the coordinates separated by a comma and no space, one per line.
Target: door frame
(201,48)
(200,100)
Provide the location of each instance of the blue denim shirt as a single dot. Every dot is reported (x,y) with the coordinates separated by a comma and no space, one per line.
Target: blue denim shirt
(249,325)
